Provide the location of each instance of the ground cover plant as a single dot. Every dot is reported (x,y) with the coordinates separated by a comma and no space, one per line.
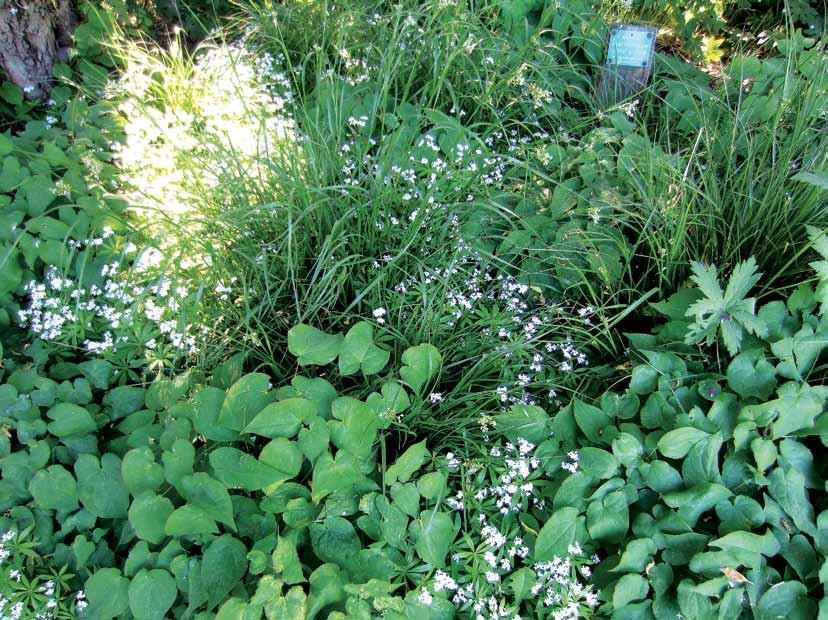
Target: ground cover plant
(372,310)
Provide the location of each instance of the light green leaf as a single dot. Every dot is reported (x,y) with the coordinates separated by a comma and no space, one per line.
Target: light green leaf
(140,471)
(210,496)
(151,594)
(312,346)
(556,535)
(108,594)
(433,533)
(677,443)
(247,397)
(358,351)
(237,469)
(407,463)
(148,515)
(69,419)
(422,363)
(282,419)
(54,488)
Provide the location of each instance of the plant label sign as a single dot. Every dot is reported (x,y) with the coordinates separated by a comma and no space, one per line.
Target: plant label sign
(629,62)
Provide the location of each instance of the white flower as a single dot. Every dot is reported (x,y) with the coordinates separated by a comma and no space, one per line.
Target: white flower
(425,597)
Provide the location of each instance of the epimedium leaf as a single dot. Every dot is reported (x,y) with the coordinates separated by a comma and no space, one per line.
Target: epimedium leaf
(556,534)
(54,488)
(359,427)
(787,486)
(189,520)
(282,455)
(358,351)
(210,496)
(433,532)
(312,346)
(151,594)
(282,419)
(677,443)
(407,463)
(422,363)
(70,419)
(208,404)
(140,471)
(237,469)
(331,474)
(107,592)
(314,438)
(222,567)
(524,422)
(592,421)
(335,540)
(245,398)
(178,461)
(148,515)
(100,487)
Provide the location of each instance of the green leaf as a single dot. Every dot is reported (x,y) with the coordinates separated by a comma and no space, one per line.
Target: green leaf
(140,471)
(286,559)
(210,496)
(69,419)
(178,461)
(524,421)
(358,351)
(433,533)
(222,567)
(148,515)
(692,503)
(556,535)
(780,600)
(750,374)
(407,463)
(314,439)
(189,521)
(817,179)
(608,518)
(108,594)
(767,545)
(787,486)
(151,594)
(637,555)
(282,419)
(331,474)
(359,426)
(422,363)
(312,346)
(54,489)
(592,421)
(597,464)
(335,540)
(239,470)
(327,584)
(282,455)
(100,487)
(677,443)
(247,397)
(628,589)
(208,403)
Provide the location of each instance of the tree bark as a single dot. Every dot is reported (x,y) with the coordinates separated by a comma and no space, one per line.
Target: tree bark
(33,34)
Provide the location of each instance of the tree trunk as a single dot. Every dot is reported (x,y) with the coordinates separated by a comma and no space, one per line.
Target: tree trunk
(33,34)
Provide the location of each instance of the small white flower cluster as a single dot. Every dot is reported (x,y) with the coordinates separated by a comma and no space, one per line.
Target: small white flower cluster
(481,570)
(514,490)
(62,310)
(4,551)
(573,466)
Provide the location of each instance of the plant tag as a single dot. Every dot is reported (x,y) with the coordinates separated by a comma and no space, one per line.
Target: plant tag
(628,63)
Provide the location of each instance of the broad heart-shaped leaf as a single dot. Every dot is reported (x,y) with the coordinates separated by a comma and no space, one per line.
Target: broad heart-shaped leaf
(189,521)
(151,594)
(677,443)
(237,469)
(787,486)
(750,374)
(327,584)
(148,515)
(54,488)
(335,540)
(210,496)
(422,362)
(108,594)
(208,404)
(780,600)
(222,567)
(331,474)
(592,421)
(407,463)
(359,426)
(433,533)
(247,397)
(282,419)
(556,535)
(314,439)
(178,461)
(69,419)
(283,455)
(100,487)
(358,351)
(525,422)
(313,346)
(389,402)
(140,471)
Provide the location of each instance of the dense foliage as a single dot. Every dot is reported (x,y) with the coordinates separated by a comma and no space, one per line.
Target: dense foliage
(367,309)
